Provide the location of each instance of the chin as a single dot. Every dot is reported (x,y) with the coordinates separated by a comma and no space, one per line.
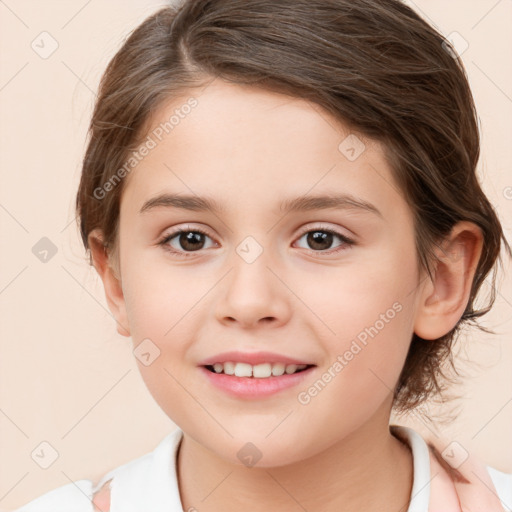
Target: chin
(248,451)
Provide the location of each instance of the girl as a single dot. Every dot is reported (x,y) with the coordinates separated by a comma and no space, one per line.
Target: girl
(281,200)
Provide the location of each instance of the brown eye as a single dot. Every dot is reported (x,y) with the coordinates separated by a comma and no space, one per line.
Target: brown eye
(190,240)
(321,240)
(184,241)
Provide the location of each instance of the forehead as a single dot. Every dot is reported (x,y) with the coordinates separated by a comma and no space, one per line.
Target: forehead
(244,144)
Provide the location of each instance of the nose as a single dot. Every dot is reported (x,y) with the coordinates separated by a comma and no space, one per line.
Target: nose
(253,294)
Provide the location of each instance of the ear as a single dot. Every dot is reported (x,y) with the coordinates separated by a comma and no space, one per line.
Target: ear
(444,299)
(105,267)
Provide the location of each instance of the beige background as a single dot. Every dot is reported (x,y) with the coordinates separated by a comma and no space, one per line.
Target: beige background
(66,376)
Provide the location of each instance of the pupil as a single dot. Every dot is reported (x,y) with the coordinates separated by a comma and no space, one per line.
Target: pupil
(320,240)
(192,238)
(316,238)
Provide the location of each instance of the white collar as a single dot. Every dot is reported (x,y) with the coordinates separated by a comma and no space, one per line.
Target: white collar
(420,494)
(156,474)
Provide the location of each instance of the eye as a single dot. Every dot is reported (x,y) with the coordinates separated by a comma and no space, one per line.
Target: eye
(183,241)
(320,239)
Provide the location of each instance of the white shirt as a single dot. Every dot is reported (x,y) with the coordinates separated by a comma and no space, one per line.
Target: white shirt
(150,482)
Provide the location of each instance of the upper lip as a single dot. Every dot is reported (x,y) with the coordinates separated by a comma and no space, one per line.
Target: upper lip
(251,358)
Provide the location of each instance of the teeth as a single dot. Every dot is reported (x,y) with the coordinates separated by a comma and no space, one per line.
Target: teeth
(291,368)
(262,370)
(243,370)
(258,371)
(229,368)
(278,369)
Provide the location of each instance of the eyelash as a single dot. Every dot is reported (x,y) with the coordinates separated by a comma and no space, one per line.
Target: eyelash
(347,242)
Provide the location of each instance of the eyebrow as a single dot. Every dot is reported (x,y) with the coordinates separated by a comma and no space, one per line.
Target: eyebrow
(299,204)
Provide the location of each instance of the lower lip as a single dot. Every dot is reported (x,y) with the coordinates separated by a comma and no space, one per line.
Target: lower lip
(251,387)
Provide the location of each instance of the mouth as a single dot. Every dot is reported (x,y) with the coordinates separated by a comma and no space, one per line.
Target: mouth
(255,382)
(258,371)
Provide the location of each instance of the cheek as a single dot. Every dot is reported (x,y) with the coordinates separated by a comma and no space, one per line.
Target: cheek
(158,299)
(369,350)
(163,306)
(371,319)
(160,319)
(373,299)
(358,379)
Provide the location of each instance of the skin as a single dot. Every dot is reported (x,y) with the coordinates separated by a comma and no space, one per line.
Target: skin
(250,149)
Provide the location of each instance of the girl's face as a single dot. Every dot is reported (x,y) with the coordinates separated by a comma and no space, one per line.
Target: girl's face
(261,277)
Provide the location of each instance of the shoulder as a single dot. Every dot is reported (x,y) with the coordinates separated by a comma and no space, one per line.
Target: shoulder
(149,475)
(75,496)
(79,496)
(101,499)
(473,480)
(503,484)
(444,470)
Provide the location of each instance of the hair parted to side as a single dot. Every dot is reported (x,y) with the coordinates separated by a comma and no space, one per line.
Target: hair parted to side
(374,65)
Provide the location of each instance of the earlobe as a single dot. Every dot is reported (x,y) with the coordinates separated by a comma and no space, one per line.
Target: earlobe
(111,282)
(444,299)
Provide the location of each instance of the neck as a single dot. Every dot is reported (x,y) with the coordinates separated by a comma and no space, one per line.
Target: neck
(368,470)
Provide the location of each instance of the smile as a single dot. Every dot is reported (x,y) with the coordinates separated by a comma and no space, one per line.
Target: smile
(258,371)
(255,382)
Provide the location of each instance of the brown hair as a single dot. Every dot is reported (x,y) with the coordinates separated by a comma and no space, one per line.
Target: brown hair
(373,64)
